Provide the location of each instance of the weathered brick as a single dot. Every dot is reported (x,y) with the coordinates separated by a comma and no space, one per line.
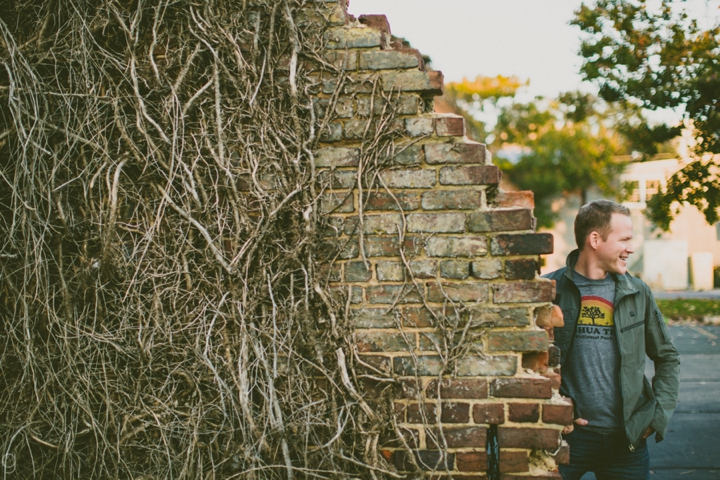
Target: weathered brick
(535,361)
(389,246)
(356,37)
(393,202)
(521,388)
(521,269)
(486,268)
(457,437)
(355,128)
(490,413)
(436,222)
(396,272)
(456,246)
(357,272)
(522,244)
(391,440)
(455,412)
(356,293)
(514,461)
(422,365)
(384,223)
(465,199)
(528,437)
(422,413)
(559,414)
(337,202)
(344,107)
(429,82)
(467,292)
(464,388)
(377,22)
(333,273)
(408,155)
(393,293)
(419,126)
(470,175)
(338,179)
(524,412)
(387,60)
(415,178)
(460,152)
(370,341)
(553,356)
(524,292)
(518,341)
(417,317)
(455,269)
(381,363)
(554,377)
(373,318)
(431,341)
(331,133)
(562,457)
(486,366)
(471,462)
(483,316)
(522,199)
(352,84)
(449,125)
(407,104)
(429,460)
(346,60)
(500,221)
(340,250)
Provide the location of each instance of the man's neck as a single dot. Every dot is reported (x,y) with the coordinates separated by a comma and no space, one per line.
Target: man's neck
(588,268)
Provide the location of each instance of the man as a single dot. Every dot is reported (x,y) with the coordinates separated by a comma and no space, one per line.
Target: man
(611,323)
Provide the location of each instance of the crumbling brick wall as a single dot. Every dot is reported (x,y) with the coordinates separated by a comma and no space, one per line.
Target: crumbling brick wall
(440,266)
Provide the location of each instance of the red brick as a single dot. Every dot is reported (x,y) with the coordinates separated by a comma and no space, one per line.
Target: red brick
(553,356)
(558,414)
(523,199)
(391,440)
(521,269)
(466,292)
(541,476)
(470,175)
(522,244)
(393,294)
(524,412)
(528,437)
(554,378)
(514,461)
(461,152)
(430,83)
(454,412)
(376,22)
(535,361)
(557,319)
(471,462)
(518,341)
(429,460)
(562,457)
(417,317)
(543,316)
(376,246)
(450,126)
(465,388)
(394,202)
(458,437)
(491,413)
(415,413)
(521,388)
(500,221)
(524,292)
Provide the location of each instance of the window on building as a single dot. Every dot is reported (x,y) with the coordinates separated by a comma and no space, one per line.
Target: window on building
(632,190)
(651,188)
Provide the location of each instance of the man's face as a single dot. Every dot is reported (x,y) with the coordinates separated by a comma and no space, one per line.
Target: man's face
(613,252)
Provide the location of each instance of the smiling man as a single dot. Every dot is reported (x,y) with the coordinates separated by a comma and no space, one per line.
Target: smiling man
(611,323)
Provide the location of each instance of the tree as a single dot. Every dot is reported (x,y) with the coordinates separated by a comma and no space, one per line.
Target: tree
(568,148)
(473,99)
(654,59)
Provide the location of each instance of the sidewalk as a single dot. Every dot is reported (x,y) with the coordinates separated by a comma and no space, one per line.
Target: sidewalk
(702,295)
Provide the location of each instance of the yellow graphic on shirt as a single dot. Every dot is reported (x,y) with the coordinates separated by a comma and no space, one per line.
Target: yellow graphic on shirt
(596,311)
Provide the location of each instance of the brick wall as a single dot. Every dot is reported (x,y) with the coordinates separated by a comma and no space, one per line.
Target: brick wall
(439,265)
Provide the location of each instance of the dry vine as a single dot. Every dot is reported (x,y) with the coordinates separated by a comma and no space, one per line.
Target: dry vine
(163,315)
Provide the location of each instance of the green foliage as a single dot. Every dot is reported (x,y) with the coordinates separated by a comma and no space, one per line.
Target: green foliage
(657,58)
(691,309)
(569,150)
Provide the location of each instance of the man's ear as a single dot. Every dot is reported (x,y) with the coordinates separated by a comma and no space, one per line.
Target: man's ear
(594,240)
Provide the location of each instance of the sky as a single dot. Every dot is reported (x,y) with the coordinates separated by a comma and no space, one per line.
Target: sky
(531,39)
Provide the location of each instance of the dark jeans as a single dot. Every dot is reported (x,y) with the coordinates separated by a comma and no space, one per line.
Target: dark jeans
(608,456)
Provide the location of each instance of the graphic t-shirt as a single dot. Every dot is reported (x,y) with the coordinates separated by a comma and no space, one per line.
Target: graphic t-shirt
(591,373)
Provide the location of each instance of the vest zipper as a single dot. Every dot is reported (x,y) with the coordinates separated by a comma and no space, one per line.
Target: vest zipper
(617,344)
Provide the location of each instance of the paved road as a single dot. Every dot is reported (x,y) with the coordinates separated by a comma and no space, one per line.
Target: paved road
(691,449)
